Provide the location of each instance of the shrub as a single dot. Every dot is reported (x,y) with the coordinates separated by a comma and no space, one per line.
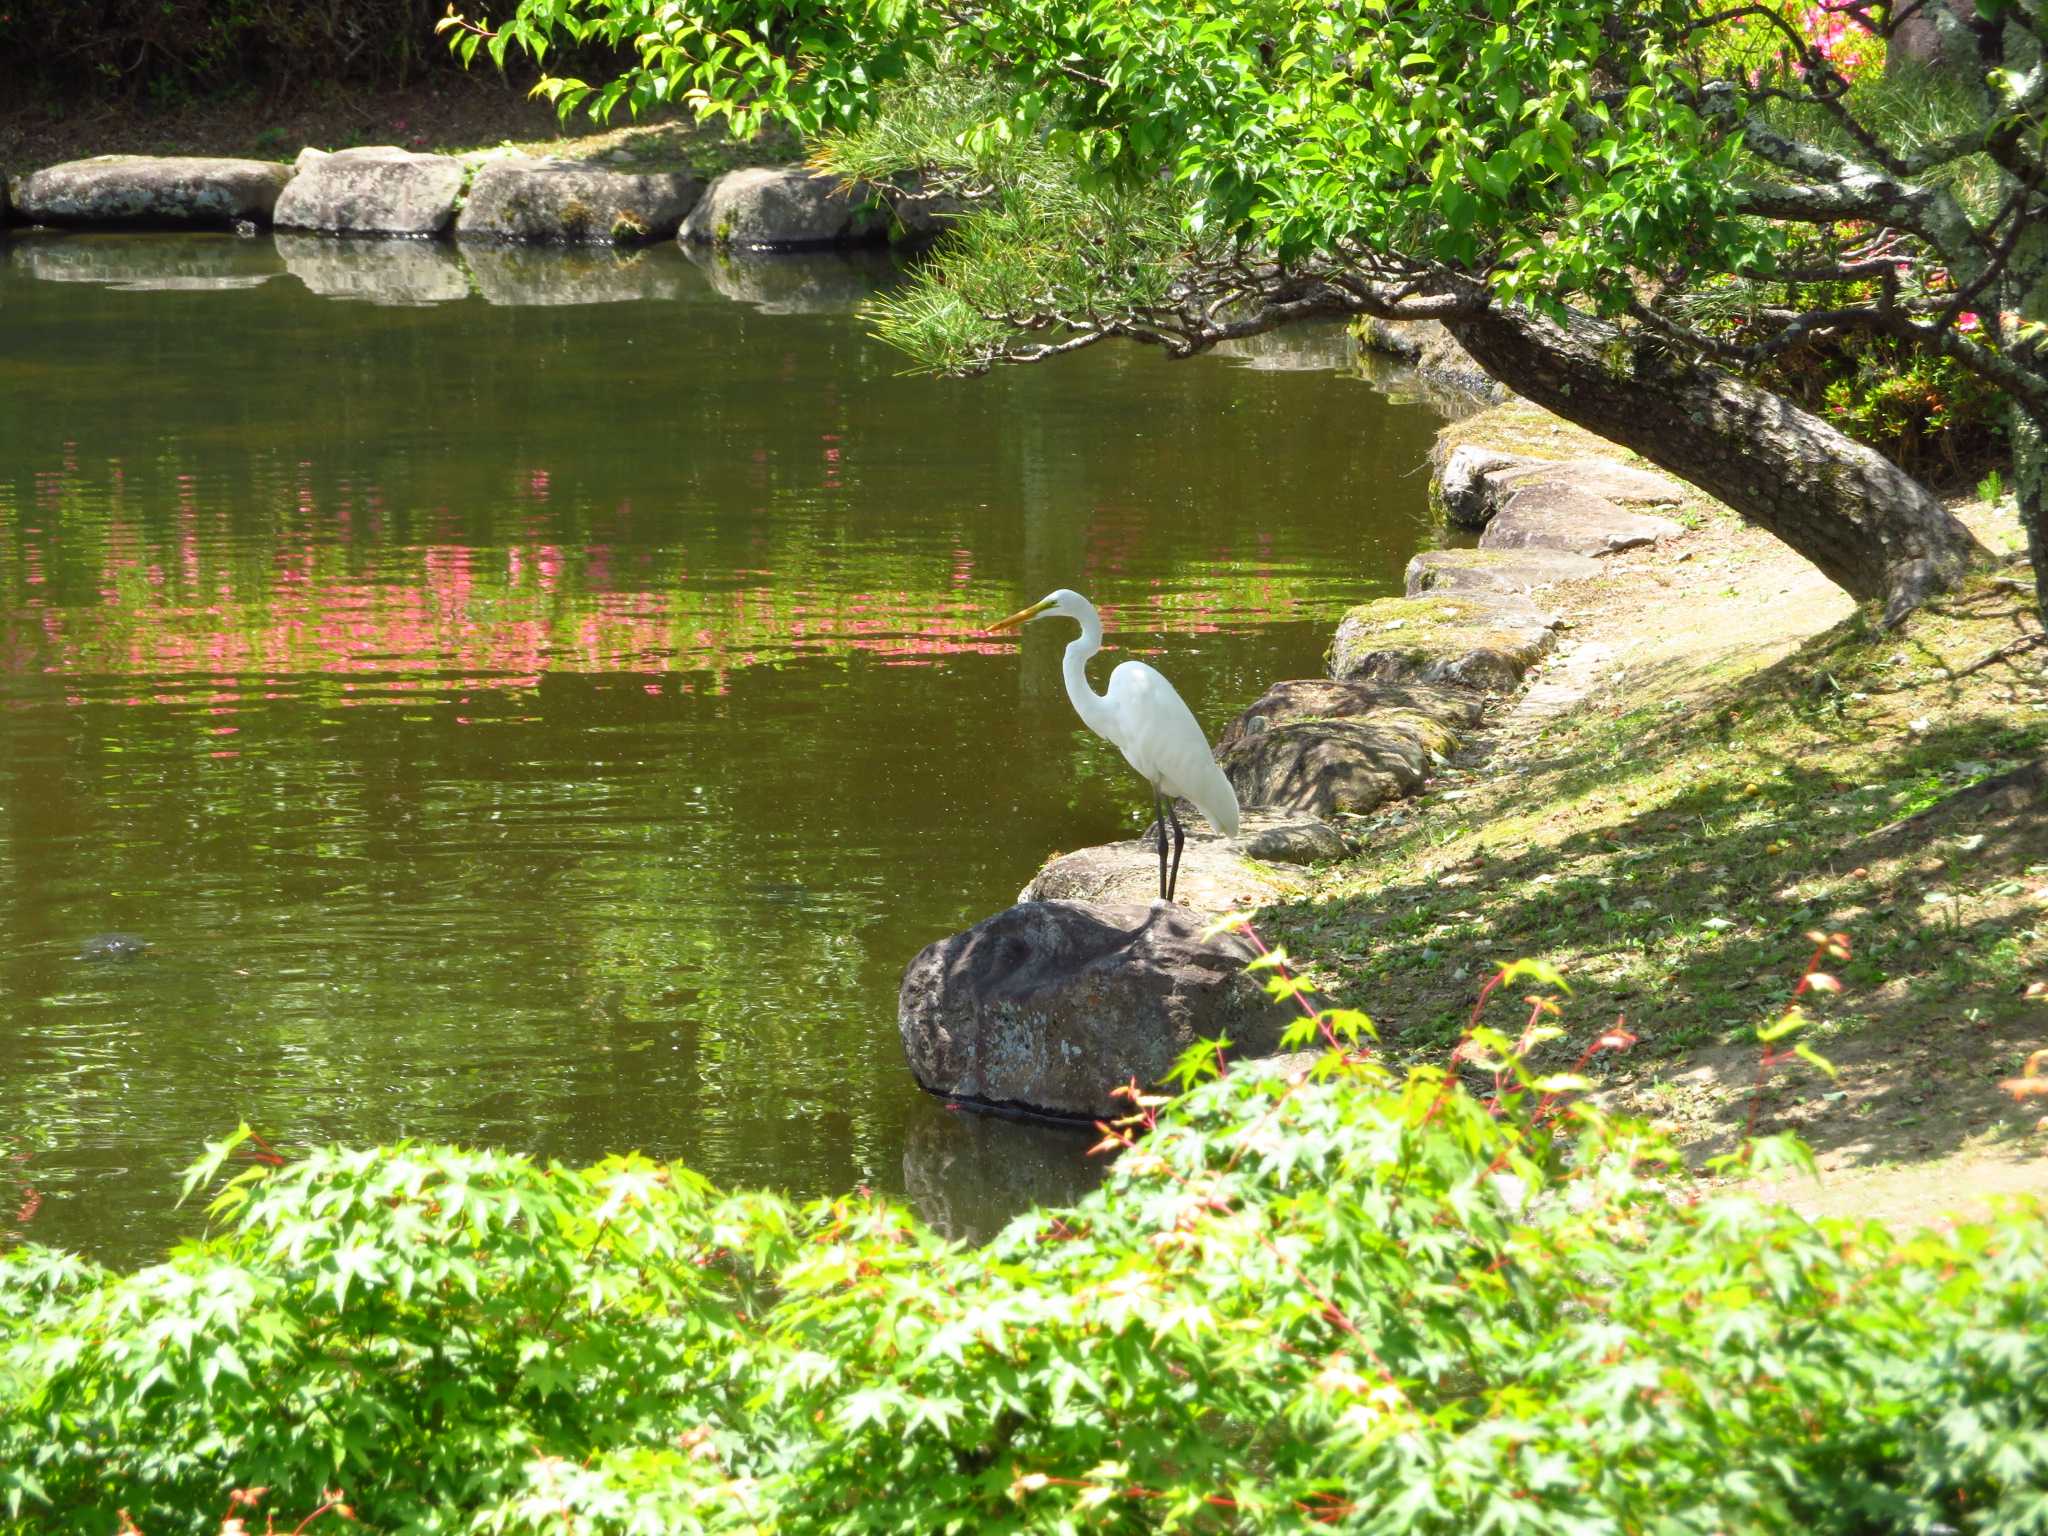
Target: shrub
(1931,417)
(1335,1302)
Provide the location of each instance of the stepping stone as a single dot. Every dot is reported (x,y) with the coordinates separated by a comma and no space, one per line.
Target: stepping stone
(150,192)
(1558,515)
(1323,698)
(1321,767)
(1485,641)
(781,208)
(576,203)
(1475,483)
(1521,572)
(380,190)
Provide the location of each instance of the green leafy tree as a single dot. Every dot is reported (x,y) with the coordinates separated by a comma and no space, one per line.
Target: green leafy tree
(1622,212)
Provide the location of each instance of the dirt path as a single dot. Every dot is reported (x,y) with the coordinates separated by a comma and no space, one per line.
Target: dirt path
(1749,602)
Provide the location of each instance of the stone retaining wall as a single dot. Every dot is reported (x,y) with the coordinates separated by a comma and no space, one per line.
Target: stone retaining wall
(387,192)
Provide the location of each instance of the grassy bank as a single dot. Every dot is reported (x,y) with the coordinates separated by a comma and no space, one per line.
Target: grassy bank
(1724,756)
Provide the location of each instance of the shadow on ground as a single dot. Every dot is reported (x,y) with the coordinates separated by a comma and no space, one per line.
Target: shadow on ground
(1672,858)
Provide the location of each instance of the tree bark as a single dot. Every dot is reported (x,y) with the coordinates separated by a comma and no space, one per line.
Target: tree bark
(1871,528)
(2030,489)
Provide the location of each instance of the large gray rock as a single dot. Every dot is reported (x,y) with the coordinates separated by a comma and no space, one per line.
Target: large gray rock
(772,208)
(1561,515)
(386,272)
(1514,571)
(147,191)
(1324,698)
(1049,1006)
(379,190)
(1464,485)
(1477,640)
(147,263)
(919,212)
(826,282)
(537,275)
(1218,874)
(1321,767)
(573,202)
(1475,483)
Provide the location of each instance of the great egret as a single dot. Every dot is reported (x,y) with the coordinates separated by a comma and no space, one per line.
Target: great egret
(1142,717)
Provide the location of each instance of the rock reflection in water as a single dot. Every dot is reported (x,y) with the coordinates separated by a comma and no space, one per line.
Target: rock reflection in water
(526,275)
(967,1174)
(388,272)
(141,263)
(807,283)
(1296,349)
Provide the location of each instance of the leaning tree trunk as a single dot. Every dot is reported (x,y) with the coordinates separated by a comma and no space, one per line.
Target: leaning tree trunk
(2030,487)
(1871,528)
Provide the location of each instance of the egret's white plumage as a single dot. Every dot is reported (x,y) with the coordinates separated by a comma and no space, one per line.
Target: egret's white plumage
(1146,720)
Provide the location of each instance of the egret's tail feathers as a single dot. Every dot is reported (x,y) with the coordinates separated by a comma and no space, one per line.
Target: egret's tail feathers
(1218,801)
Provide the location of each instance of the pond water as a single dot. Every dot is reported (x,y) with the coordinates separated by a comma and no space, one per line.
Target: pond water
(515,716)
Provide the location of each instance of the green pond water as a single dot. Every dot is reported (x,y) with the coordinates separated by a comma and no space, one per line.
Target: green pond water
(543,702)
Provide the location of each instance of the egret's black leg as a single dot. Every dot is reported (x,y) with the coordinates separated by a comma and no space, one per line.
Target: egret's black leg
(1179,837)
(1159,806)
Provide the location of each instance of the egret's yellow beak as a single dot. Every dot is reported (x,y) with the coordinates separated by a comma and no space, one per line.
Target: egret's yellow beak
(1021,616)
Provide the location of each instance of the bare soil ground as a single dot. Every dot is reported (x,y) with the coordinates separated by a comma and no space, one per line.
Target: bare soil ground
(1722,756)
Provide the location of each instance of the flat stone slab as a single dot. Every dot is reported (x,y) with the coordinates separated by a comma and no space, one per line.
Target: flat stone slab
(1485,641)
(1218,874)
(378,190)
(393,273)
(821,282)
(1321,767)
(147,263)
(1475,483)
(572,202)
(150,191)
(778,208)
(538,275)
(1050,1006)
(1560,515)
(1324,698)
(1515,571)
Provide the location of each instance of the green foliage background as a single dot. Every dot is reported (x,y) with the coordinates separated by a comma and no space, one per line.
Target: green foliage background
(169,51)
(1340,1303)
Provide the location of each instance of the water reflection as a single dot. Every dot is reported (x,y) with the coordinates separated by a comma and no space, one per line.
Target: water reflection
(558,726)
(395,272)
(146,263)
(810,283)
(526,274)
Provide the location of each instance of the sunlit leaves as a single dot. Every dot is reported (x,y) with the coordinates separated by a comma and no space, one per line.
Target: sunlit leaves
(1297,1304)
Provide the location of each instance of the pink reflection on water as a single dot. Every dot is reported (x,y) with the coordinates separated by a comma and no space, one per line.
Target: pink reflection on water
(305,604)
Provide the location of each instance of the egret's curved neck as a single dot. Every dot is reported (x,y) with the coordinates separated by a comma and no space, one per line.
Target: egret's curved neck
(1091,706)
